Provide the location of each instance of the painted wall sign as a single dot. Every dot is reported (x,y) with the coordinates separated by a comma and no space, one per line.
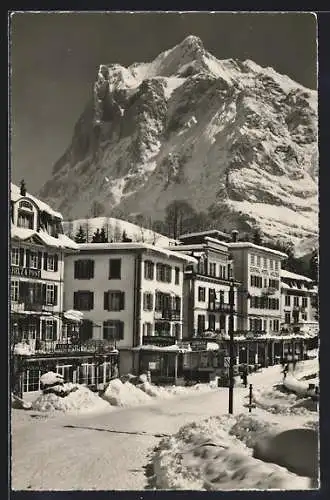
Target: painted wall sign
(25,272)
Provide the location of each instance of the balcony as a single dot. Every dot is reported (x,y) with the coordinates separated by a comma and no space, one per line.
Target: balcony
(38,307)
(167,315)
(65,347)
(221,307)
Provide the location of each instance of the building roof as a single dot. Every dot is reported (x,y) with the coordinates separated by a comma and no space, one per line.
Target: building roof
(294,276)
(63,241)
(135,246)
(205,233)
(248,244)
(15,195)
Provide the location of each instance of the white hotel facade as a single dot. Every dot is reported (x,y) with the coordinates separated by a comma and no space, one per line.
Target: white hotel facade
(37,251)
(129,293)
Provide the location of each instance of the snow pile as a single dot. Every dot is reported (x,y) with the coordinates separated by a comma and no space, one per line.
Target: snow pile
(23,349)
(213,455)
(80,399)
(50,379)
(118,393)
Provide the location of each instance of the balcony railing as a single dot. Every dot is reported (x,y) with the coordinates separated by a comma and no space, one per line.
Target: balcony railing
(22,306)
(65,347)
(167,314)
(218,307)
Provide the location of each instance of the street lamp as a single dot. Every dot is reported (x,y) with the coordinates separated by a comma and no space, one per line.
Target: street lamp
(231,345)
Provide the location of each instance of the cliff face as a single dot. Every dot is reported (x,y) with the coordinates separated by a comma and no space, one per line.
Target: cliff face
(189,126)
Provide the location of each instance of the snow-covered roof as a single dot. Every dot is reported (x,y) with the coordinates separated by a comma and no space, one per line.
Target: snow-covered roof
(15,195)
(20,233)
(294,276)
(204,233)
(135,246)
(247,244)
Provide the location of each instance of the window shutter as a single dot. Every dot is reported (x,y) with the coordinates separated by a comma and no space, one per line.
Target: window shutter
(39,259)
(75,301)
(151,301)
(45,261)
(55,262)
(91,269)
(27,261)
(106,301)
(55,295)
(43,329)
(44,293)
(144,301)
(120,330)
(91,300)
(76,269)
(21,257)
(122,301)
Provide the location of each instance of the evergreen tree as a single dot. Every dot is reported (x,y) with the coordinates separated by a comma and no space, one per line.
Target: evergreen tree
(125,238)
(103,236)
(96,236)
(314,266)
(257,240)
(80,236)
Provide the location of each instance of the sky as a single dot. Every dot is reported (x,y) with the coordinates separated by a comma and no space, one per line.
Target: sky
(55,57)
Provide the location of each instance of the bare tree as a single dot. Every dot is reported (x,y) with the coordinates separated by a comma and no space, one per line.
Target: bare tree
(117,233)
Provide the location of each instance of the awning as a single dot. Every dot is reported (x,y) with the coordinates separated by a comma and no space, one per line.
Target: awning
(74,315)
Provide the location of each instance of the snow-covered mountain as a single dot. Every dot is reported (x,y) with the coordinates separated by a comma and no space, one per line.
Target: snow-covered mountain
(188,126)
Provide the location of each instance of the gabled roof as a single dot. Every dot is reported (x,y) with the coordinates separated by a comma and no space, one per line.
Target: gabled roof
(294,276)
(22,234)
(15,195)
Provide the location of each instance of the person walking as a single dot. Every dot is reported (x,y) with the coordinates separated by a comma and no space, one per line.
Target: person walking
(285,371)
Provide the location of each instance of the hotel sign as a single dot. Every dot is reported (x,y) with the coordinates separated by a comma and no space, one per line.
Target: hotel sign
(25,272)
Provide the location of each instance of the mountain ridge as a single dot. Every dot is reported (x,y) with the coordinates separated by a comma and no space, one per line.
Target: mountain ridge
(226,134)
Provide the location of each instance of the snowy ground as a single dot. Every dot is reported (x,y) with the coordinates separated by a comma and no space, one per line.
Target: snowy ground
(114,450)
(216,454)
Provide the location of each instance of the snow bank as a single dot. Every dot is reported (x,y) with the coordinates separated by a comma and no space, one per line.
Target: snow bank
(23,349)
(217,455)
(118,393)
(51,378)
(80,400)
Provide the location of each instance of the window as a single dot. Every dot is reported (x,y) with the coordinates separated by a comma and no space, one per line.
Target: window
(256,281)
(83,300)
(149,270)
(163,273)
(258,260)
(304,316)
(265,262)
(163,328)
(304,302)
(212,322)
(14,291)
(252,259)
(51,263)
(287,318)
(113,330)
(148,301)
(177,275)
(200,323)
(201,294)
(25,220)
(114,300)
(276,265)
(83,269)
(296,301)
(51,294)
(212,299)
(274,284)
(212,269)
(176,305)
(177,330)
(271,264)
(15,257)
(86,330)
(147,329)
(276,325)
(33,260)
(288,300)
(48,329)
(265,282)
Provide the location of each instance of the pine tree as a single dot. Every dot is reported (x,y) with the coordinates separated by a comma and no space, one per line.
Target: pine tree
(103,236)
(314,266)
(125,239)
(80,236)
(257,240)
(96,236)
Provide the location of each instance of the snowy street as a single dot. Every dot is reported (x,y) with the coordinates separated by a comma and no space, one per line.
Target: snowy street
(111,450)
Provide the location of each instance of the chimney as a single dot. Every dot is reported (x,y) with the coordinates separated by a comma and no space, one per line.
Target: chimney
(234,235)
(23,188)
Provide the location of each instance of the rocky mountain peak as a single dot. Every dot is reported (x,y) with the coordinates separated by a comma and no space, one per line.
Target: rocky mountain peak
(228,135)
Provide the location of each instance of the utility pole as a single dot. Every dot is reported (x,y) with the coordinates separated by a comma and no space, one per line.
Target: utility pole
(231,345)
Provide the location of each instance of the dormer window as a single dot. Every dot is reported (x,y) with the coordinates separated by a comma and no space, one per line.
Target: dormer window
(25,219)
